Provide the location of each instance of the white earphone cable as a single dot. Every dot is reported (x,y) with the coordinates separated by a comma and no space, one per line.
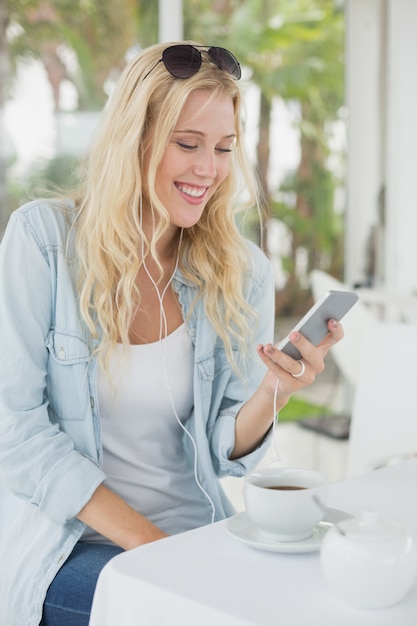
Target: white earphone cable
(163,333)
(276,458)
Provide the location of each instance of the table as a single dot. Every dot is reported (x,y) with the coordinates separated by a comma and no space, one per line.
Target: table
(205,577)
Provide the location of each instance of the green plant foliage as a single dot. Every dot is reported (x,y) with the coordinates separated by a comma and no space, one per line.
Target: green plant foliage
(297,409)
(98,32)
(293,49)
(43,178)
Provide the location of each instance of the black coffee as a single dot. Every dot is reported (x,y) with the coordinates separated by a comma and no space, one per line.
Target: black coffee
(285,487)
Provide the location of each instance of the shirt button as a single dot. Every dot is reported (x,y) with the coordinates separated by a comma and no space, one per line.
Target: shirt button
(61,354)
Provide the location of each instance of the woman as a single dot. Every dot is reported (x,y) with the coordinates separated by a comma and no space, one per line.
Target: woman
(135,328)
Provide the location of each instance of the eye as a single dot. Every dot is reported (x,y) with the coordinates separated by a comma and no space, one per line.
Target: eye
(224,150)
(186,146)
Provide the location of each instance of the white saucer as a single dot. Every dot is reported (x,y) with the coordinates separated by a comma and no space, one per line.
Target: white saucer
(241,528)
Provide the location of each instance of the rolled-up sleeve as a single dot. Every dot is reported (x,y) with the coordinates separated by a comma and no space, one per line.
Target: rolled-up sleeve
(237,391)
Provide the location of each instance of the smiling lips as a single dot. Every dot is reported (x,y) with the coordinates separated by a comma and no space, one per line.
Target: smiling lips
(193,192)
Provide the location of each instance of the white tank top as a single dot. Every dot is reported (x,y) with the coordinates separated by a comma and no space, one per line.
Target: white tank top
(147,456)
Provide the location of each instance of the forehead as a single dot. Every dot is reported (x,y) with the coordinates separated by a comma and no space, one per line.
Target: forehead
(202,108)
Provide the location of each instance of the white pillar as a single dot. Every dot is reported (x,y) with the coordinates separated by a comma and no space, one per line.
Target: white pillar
(170,20)
(364,84)
(401,159)
(382,102)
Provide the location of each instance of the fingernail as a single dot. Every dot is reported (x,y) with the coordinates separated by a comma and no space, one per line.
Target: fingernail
(335,324)
(294,337)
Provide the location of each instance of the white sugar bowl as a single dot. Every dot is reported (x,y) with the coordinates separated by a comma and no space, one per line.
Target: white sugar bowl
(370,563)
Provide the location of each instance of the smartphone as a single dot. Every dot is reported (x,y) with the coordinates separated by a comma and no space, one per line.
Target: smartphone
(313,326)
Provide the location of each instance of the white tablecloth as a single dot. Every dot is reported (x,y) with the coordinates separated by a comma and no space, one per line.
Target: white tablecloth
(207,578)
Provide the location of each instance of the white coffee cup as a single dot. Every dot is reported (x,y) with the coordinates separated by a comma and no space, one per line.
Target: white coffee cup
(279,502)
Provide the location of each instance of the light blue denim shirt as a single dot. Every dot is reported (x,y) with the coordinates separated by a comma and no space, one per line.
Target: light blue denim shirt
(50,447)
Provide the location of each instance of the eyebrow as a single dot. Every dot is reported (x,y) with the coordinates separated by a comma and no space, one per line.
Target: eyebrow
(199,133)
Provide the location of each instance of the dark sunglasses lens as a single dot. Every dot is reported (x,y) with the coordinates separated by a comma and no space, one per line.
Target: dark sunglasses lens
(225,61)
(182,61)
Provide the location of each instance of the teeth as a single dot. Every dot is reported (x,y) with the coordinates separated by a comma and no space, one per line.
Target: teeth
(191,191)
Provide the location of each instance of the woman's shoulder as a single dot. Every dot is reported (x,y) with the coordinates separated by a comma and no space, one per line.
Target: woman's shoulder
(45,209)
(260,263)
(49,220)
(256,251)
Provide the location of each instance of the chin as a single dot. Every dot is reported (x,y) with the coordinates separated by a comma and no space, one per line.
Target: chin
(188,221)
(187,224)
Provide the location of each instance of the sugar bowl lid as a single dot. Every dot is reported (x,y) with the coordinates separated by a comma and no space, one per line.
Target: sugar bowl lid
(371,526)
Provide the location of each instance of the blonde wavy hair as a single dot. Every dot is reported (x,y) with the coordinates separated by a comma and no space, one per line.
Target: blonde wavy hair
(122,164)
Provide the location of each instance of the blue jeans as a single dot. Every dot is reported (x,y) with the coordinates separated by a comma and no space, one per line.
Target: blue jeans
(70,595)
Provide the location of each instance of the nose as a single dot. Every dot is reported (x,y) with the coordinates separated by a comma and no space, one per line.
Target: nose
(205,164)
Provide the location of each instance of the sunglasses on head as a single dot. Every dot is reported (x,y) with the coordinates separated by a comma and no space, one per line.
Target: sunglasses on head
(184,60)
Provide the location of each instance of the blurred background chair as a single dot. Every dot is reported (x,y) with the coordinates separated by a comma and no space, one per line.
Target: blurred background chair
(383,426)
(347,356)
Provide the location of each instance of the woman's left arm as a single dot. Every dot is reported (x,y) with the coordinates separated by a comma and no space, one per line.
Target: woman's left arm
(281,381)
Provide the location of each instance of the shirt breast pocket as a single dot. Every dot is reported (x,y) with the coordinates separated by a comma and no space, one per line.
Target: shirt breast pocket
(214,373)
(67,376)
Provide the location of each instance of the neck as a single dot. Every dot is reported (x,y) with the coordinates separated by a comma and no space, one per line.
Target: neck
(168,255)
(168,244)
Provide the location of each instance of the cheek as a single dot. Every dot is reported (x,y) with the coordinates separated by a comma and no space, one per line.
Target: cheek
(163,170)
(223,170)
(169,162)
